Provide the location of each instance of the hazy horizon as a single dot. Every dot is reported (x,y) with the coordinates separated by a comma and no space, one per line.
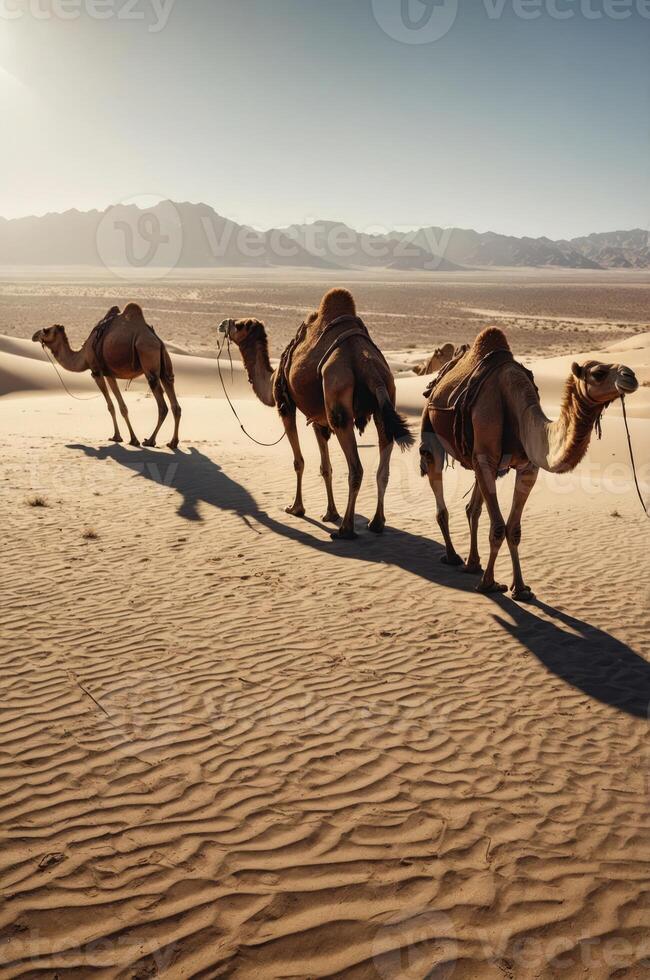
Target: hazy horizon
(518,119)
(321,219)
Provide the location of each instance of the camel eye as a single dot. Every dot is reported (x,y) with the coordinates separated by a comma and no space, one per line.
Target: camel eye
(599,374)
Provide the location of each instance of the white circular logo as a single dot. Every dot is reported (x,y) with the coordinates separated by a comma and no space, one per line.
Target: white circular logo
(141,237)
(136,712)
(415,21)
(415,944)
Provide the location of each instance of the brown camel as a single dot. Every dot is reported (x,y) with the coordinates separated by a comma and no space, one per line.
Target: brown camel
(338,378)
(128,348)
(505,428)
(440,357)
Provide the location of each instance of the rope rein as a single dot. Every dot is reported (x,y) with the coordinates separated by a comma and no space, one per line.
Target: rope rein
(629,443)
(79,398)
(226,341)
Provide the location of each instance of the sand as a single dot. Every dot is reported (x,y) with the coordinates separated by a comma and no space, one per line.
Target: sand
(231,747)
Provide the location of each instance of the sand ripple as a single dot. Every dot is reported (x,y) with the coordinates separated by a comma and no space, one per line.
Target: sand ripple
(230,748)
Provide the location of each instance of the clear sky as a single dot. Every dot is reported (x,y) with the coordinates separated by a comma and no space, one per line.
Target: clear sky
(279,111)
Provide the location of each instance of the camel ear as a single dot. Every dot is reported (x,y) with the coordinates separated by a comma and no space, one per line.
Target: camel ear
(577,371)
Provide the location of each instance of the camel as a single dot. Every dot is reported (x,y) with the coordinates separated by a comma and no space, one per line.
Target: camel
(338,378)
(505,428)
(440,357)
(128,348)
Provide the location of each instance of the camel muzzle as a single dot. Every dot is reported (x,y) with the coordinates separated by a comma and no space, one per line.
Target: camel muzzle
(626,381)
(38,337)
(224,327)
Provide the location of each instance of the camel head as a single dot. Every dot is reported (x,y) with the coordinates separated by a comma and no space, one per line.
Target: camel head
(49,336)
(441,355)
(603,383)
(243,332)
(437,360)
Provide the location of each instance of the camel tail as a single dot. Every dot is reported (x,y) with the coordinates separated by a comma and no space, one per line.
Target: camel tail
(395,425)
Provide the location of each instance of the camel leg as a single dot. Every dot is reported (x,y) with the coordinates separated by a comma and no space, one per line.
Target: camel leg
(378,523)
(297,508)
(473,511)
(113,385)
(100,381)
(348,444)
(435,461)
(176,410)
(485,468)
(326,472)
(524,483)
(157,392)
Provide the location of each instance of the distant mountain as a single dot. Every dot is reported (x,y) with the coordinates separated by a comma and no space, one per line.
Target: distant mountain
(181,235)
(617,249)
(469,248)
(339,245)
(169,234)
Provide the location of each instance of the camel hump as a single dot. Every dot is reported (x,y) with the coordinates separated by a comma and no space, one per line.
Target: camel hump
(132,311)
(337,302)
(492,338)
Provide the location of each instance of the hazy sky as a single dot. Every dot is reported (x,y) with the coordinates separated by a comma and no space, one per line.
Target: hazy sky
(275,111)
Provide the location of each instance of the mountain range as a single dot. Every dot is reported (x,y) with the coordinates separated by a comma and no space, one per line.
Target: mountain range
(182,235)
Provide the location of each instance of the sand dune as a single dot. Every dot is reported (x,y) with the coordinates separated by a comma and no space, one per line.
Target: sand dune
(233,748)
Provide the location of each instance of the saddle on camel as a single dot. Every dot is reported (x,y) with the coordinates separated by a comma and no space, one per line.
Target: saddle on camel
(122,345)
(334,373)
(484,410)
(450,414)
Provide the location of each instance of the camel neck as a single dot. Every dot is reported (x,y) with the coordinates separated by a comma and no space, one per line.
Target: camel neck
(255,356)
(570,436)
(71,360)
(559,446)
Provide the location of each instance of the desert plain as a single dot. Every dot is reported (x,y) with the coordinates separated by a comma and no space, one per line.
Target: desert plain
(231,747)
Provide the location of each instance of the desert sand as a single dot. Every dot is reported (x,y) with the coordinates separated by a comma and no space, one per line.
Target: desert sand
(544,311)
(231,747)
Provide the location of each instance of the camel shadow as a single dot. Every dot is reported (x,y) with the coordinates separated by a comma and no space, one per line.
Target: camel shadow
(192,475)
(583,656)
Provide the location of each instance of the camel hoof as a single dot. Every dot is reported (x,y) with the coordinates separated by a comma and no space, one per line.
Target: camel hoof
(473,569)
(296,511)
(331,516)
(343,534)
(377,527)
(148,442)
(134,442)
(173,444)
(523,595)
(116,439)
(492,587)
(452,560)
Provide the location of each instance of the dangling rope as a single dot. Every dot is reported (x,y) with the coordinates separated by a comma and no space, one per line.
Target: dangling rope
(226,340)
(80,398)
(629,443)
